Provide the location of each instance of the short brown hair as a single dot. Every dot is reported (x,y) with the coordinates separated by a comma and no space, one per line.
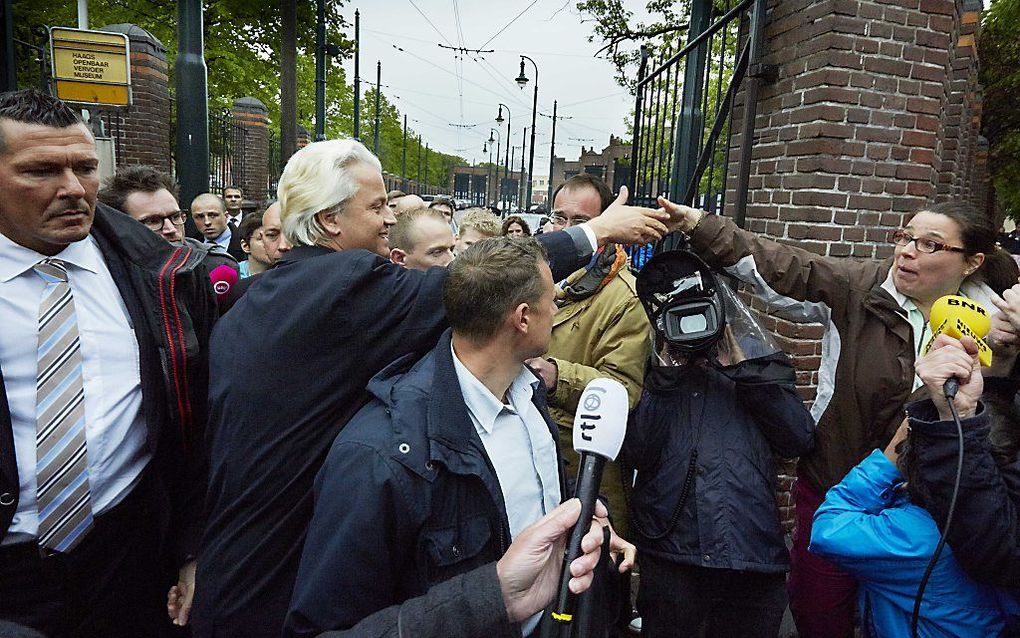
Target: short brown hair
(134,179)
(481,220)
(402,233)
(584,180)
(250,223)
(490,279)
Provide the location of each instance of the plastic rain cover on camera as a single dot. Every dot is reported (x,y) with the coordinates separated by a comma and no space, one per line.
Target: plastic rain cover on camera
(693,312)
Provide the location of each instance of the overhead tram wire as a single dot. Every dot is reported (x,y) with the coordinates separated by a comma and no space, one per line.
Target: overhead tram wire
(513,51)
(434,27)
(507,25)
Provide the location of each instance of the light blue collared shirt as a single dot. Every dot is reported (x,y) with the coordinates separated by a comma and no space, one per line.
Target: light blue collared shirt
(115,431)
(223,241)
(520,448)
(518,443)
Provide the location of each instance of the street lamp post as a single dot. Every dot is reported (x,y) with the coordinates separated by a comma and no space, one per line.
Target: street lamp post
(506,167)
(523,205)
(521,81)
(498,139)
(403,158)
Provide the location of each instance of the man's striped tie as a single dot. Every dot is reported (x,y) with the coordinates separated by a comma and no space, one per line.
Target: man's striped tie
(62,472)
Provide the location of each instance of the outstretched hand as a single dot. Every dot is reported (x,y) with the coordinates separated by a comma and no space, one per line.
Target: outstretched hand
(625,224)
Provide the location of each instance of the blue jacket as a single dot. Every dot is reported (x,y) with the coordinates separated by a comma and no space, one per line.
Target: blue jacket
(406,499)
(715,430)
(868,526)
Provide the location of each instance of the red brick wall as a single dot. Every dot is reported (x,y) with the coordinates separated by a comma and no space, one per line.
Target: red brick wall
(251,148)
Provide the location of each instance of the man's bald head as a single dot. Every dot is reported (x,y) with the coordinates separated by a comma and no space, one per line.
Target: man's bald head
(210,215)
(408,202)
(272,233)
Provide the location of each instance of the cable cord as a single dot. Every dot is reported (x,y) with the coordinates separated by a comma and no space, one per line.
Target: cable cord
(950,396)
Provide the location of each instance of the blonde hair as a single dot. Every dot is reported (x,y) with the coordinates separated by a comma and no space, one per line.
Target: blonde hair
(318,178)
(484,222)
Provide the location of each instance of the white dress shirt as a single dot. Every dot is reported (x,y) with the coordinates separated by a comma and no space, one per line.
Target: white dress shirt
(115,432)
(236,219)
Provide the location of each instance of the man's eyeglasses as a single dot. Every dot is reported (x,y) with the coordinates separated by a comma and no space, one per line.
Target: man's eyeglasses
(929,246)
(155,222)
(561,220)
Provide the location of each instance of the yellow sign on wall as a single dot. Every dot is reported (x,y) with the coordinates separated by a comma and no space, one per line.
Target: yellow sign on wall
(91,67)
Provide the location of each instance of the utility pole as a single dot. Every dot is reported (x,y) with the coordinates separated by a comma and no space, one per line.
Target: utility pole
(552,153)
(378,85)
(357,74)
(403,158)
(525,181)
(8,68)
(426,164)
(510,174)
(288,79)
(417,172)
(320,71)
(192,104)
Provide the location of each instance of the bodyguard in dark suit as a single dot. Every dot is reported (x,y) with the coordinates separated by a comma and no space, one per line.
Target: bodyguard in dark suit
(210,215)
(103,363)
(291,361)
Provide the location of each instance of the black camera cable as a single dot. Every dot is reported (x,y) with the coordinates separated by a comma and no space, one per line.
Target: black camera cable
(950,388)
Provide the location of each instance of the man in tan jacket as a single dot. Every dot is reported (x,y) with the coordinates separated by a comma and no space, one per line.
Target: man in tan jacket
(600,330)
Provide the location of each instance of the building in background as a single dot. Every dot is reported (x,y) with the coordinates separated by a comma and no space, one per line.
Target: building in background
(612,164)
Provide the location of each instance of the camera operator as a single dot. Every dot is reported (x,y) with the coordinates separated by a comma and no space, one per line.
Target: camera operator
(719,403)
(874,523)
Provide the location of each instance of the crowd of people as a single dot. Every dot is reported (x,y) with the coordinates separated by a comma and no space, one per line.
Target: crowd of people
(369,430)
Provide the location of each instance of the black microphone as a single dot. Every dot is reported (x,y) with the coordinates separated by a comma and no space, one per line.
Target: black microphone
(600,424)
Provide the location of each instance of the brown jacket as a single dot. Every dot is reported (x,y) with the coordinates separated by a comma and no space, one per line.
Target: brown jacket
(867,369)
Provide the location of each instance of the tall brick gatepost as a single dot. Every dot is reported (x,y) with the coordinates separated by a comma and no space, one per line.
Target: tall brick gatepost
(142,132)
(876,111)
(250,152)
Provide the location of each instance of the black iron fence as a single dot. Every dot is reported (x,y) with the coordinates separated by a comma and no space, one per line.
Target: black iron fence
(228,146)
(683,110)
(274,157)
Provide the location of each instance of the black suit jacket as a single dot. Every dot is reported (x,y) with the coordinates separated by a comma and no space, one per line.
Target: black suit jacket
(171,305)
(234,247)
(290,364)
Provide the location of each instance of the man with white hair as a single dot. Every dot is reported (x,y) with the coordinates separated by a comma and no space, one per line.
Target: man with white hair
(291,361)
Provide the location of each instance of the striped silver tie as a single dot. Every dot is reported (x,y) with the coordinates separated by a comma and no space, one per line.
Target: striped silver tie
(62,472)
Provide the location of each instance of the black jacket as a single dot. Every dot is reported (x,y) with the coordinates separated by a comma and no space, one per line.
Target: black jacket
(171,305)
(736,418)
(289,368)
(985,535)
(407,499)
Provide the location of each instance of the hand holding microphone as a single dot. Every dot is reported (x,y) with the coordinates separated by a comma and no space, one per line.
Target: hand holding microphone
(600,424)
(951,359)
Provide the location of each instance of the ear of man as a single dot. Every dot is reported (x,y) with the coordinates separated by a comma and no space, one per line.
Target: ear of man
(398,256)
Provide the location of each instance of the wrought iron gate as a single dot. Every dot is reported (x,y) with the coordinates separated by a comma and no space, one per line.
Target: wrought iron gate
(683,111)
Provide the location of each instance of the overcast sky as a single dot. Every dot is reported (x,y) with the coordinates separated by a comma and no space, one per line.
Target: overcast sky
(437,90)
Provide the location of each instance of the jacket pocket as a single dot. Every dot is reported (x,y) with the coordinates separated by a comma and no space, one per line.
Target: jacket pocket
(455,549)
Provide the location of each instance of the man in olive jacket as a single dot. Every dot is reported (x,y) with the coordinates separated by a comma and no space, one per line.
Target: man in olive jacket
(600,330)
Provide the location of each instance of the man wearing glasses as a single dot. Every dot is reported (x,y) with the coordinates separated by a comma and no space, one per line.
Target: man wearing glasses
(150,196)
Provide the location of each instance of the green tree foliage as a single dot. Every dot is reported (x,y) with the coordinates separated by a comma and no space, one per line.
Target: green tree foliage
(999,54)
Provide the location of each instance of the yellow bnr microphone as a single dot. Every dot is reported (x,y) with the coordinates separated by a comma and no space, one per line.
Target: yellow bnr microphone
(960,317)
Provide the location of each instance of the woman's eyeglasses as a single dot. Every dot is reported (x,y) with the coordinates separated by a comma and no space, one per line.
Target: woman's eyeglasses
(929,246)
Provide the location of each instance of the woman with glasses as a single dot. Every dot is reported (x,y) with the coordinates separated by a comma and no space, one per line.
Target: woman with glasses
(875,318)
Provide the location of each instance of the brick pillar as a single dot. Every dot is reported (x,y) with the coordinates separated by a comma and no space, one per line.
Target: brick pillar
(142,133)
(250,152)
(304,138)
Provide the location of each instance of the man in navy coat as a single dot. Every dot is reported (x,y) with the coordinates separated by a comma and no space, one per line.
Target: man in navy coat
(291,361)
